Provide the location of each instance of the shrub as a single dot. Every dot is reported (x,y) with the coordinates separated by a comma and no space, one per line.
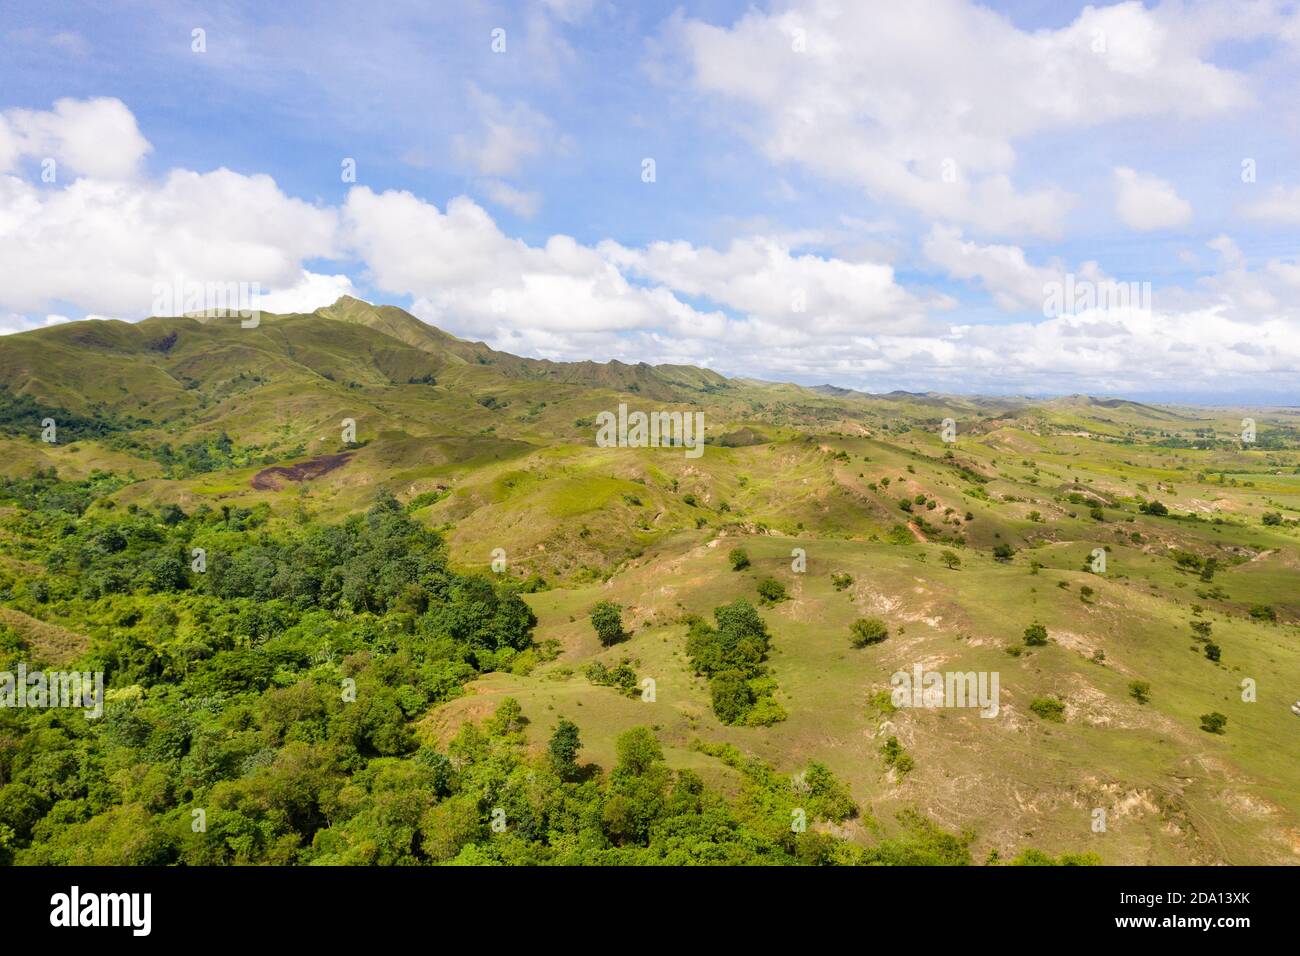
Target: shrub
(771,591)
(899,534)
(1213,651)
(868,630)
(1263,612)
(739,559)
(1140,691)
(1213,722)
(1035,635)
(896,757)
(1049,708)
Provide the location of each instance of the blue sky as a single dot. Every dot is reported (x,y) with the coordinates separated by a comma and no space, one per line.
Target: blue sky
(912,174)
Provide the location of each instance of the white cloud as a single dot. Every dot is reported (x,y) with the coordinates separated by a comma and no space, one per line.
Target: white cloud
(762,278)
(1281,205)
(1003,271)
(507,136)
(570,11)
(466,274)
(891,97)
(518,201)
(95,137)
(307,295)
(1146,203)
(103,245)
(100,244)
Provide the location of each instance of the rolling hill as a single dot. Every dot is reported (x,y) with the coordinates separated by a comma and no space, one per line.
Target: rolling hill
(845,507)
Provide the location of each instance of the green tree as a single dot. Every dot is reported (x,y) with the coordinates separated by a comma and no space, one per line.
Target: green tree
(1214,722)
(739,559)
(564,747)
(607,619)
(731,696)
(950,558)
(1035,635)
(638,751)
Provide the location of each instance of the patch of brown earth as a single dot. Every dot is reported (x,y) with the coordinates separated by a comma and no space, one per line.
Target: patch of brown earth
(272,479)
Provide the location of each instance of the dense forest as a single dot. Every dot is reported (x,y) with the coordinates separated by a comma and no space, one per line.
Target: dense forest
(262,688)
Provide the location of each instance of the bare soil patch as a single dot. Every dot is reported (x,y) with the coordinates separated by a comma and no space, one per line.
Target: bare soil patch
(273,478)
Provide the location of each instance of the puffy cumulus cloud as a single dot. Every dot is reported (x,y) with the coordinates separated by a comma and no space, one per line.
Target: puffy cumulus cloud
(1130,351)
(309,293)
(1146,202)
(921,103)
(465,273)
(1003,271)
(1281,206)
(105,239)
(564,297)
(1111,351)
(564,300)
(94,137)
(768,282)
(104,243)
(1264,293)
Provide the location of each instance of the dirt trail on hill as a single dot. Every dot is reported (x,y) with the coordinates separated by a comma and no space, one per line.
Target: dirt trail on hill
(271,479)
